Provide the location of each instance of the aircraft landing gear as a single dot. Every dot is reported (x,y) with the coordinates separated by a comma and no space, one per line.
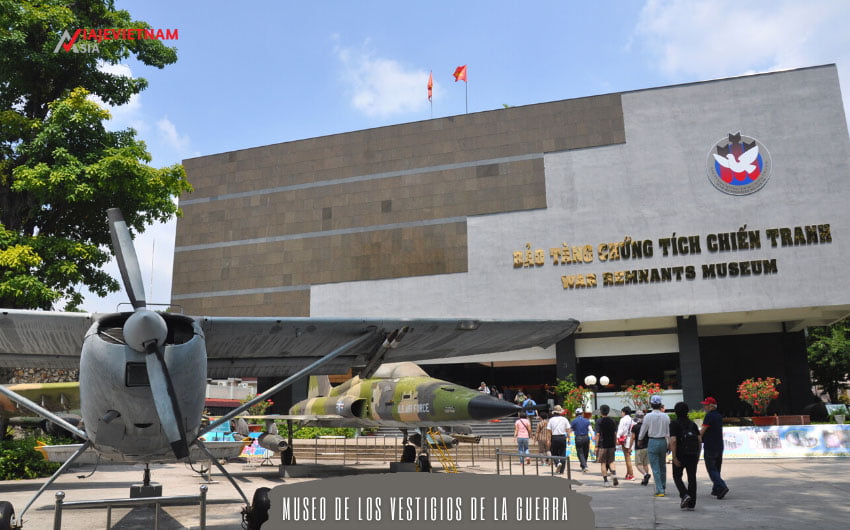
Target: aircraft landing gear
(7,513)
(258,513)
(424,463)
(146,488)
(287,456)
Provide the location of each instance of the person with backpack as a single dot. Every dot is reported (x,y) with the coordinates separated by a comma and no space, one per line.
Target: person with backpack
(685,445)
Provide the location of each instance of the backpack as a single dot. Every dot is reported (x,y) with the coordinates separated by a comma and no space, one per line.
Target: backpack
(690,443)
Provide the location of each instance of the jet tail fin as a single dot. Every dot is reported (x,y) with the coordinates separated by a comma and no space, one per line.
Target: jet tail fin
(320,385)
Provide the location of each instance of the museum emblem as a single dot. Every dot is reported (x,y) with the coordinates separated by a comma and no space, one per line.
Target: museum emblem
(738,165)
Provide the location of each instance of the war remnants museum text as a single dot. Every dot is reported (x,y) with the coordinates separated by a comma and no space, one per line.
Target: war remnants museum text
(675,246)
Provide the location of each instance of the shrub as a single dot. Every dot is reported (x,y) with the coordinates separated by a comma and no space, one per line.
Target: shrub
(19,460)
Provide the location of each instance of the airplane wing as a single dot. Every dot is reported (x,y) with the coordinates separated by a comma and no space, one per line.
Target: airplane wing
(248,346)
(55,397)
(42,339)
(275,347)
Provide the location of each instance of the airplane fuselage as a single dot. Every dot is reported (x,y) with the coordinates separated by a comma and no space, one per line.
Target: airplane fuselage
(415,400)
(117,404)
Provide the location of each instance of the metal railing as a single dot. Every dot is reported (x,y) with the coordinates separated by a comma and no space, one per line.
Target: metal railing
(386,448)
(158,502)
(522,457)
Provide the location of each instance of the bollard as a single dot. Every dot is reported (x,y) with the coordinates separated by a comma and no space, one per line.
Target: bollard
(57,517)
(203,503)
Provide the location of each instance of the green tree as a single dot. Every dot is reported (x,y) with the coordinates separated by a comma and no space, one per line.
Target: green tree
(829,356)
(60,168)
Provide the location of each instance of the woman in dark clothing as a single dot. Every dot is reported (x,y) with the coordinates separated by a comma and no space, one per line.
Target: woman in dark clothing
(685,446)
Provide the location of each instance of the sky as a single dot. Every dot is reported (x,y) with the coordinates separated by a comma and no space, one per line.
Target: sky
(263,72)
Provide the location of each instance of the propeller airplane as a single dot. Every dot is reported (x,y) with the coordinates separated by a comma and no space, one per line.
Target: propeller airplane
(143,373)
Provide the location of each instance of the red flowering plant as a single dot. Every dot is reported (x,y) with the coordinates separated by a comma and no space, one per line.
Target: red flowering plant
(259,408)
(759,393)
(572,396)
(638,396)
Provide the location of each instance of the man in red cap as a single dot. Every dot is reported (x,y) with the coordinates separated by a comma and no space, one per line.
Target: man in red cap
(712,446)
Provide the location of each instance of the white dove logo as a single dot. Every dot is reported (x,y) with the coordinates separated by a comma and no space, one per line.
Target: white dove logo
(742,164)
(738,164)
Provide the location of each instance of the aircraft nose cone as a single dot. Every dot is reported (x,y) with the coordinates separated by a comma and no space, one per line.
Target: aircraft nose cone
(490,408)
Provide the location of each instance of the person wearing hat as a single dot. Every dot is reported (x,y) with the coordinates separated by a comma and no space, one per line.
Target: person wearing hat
(656,427)
(624,439)
(559,430)
(712,446)
(581,429)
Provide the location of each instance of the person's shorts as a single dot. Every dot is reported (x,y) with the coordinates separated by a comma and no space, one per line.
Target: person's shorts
(605,455)
(641,457)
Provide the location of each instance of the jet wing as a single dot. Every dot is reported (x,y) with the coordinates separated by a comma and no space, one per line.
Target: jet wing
(55,397)
(275,347)
(43,339)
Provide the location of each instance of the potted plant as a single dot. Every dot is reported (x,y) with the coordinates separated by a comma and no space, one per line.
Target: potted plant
(758,393)
(638,396)
(571,394)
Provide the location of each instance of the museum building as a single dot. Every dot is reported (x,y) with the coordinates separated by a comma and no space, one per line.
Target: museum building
(695,231)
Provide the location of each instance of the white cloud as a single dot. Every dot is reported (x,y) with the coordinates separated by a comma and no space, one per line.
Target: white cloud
(178,143)
(724,38)
(381,87)
(694,40)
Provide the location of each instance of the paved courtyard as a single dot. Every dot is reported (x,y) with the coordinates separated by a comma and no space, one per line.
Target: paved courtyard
(786,493)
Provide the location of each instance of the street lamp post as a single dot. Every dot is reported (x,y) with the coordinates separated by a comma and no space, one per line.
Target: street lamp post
(591,382)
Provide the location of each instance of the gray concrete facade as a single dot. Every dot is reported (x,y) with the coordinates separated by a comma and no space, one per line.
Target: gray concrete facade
(652,187)
(599,209)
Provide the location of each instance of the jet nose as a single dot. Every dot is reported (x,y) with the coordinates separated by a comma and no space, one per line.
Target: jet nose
(490,408)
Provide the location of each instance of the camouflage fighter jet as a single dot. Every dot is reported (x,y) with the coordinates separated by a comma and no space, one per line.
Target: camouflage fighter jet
(398,395)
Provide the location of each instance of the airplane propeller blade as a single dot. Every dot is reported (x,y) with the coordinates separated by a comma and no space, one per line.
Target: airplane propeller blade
(125,253)
(165,399)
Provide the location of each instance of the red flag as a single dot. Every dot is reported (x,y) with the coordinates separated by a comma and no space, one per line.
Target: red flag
(430,85)
(460,74)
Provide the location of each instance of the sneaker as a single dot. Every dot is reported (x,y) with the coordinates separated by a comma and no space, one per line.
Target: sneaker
(584,470)
(659,495)
(722,493)
(686,501)
(605,483)
(645,480)
(630,477)
(615,481)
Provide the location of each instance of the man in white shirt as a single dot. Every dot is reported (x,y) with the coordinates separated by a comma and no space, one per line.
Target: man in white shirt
(559,427)
(656,427)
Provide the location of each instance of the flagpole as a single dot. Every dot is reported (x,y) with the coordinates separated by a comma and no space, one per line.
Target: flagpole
(466,93)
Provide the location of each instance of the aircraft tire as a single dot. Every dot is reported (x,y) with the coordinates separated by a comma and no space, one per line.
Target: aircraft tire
(259,512)
(287,456)
(6,514)
(408,454)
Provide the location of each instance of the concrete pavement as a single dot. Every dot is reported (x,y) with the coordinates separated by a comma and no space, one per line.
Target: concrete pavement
(778,493)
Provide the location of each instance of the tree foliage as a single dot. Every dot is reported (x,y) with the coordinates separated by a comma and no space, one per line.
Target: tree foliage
(829,357)
(60,168)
